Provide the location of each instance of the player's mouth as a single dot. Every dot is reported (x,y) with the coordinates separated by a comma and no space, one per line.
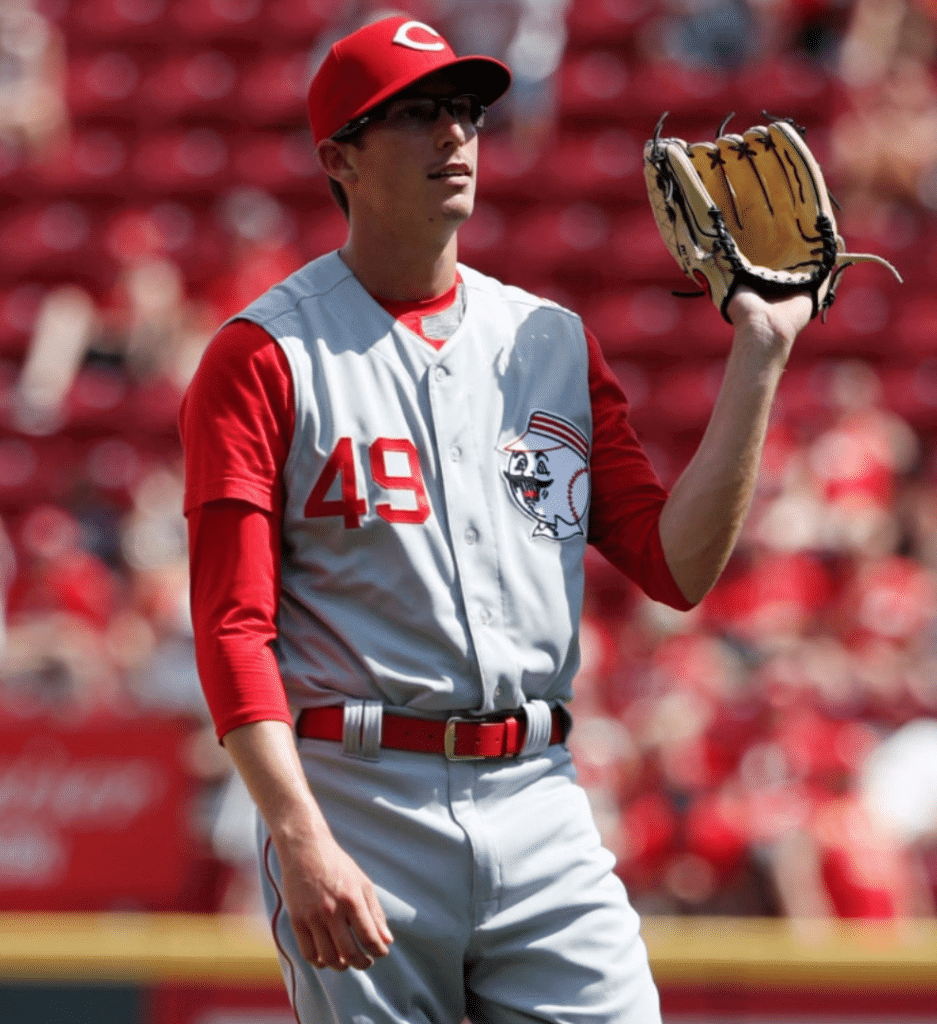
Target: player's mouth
(457,173)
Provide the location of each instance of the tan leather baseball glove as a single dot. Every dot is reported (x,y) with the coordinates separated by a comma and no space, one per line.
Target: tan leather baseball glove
(750,209)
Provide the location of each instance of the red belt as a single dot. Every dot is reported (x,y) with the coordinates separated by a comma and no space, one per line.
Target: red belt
(460,739)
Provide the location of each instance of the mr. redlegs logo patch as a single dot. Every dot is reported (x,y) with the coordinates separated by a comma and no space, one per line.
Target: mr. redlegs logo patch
(548,475)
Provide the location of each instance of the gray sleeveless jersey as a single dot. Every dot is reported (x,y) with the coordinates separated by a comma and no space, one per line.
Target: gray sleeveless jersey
(436,501)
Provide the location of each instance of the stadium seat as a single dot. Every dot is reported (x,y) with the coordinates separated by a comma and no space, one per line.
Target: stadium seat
(93,162)
(106,22)
(570,237)
(98,402)
(321,231)
(604,22)
(49,240)
(683,397)
(594,86)
(858,324)
(103,85)
(273,91)
(216,20)
(181,161)
(483,240)
(284,164)
(507,175)
(197,84)
(910,390)
(295,21)
(696,99)
(604,165)
(635,322)
(916,327)
(638,252)
(19,305)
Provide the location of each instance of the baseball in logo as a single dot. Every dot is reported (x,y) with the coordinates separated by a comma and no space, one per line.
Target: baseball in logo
(548,475)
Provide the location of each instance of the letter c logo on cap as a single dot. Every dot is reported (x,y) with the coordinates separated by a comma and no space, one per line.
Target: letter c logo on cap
(402,38)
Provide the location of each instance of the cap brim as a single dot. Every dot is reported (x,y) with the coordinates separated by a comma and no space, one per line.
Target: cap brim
(485,77)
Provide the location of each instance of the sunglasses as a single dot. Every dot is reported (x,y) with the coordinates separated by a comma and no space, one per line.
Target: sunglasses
(418,112)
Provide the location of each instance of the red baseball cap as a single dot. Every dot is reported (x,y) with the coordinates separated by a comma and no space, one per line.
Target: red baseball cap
(379,60)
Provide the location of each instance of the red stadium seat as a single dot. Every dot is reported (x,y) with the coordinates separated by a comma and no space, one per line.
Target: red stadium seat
(294,21)
(594,85)
(105,22)
(284,164)
(484,240)
(636,322)
(638,252)
(216,20)
(103,85)
(605,22)
(567,238)
(19,305)
(915,331)
(198,84)
(273,91)
(323,230)
(505,173)
(94,162)
(858,324)
(196,160)
(49,240)
(911,392)
(602,165)
(696,99)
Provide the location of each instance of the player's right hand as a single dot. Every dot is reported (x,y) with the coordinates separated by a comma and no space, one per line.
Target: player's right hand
(333,907)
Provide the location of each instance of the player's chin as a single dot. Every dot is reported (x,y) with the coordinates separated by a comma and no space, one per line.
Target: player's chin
(459,206)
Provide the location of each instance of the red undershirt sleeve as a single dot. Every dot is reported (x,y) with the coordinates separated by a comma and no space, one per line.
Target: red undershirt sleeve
(236,423)
(627,495)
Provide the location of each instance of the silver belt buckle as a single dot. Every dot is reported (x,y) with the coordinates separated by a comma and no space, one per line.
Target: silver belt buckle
(448,741)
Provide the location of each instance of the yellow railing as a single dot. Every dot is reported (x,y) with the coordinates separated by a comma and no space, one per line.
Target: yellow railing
(178,948)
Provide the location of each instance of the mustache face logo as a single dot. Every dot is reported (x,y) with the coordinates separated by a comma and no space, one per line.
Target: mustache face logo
(548,476)
(528,473)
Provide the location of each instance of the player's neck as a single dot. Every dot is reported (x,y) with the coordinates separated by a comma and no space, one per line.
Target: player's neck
(400,272)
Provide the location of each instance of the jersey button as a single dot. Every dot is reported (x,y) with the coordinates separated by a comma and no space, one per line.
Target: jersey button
(455,453)
(484,616)
(471,535)
(440,373)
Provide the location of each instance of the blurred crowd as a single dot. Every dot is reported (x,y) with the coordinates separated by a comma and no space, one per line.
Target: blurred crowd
(772,752)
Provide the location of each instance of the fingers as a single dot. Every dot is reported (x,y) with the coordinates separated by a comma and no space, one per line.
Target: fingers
(353,935)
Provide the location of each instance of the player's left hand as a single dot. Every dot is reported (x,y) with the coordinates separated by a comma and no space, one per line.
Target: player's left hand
(774,323)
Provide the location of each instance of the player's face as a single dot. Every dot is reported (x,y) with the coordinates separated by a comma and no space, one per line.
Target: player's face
(415,173)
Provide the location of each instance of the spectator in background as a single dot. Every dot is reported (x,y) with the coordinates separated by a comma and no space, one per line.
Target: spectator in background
(33,113)
(63,332)
(884,144)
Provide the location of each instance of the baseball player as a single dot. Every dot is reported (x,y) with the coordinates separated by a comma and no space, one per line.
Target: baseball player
(394,464)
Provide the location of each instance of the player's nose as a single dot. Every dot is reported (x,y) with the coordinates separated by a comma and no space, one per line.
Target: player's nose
(451,128)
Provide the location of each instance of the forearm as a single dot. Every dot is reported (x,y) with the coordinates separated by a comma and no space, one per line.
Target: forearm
(266,758)
(703,517)
(333,908)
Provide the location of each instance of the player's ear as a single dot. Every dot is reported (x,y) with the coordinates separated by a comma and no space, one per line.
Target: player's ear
(333,156)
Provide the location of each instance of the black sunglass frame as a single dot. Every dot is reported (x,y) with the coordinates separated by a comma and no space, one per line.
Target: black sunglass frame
(380,112)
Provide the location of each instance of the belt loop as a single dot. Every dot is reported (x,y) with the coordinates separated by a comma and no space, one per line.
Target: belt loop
(351,729)
(371,723)
(539,725)
(361,729)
